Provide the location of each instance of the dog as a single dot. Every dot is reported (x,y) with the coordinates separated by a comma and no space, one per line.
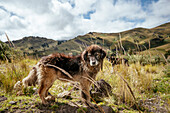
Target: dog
(82,68)
(115,61)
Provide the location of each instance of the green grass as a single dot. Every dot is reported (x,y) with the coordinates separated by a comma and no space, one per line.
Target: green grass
(144,81)
(13,72)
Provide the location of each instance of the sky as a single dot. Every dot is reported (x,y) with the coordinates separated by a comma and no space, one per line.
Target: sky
(66,19)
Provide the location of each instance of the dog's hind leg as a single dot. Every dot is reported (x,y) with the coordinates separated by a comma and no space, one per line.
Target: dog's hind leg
(48,96)
(47,93)
(42,92)
(45,85)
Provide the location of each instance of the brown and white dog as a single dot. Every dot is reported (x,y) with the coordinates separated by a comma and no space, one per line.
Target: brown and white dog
(81,68)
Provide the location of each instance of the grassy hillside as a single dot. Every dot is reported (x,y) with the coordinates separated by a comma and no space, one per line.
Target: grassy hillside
(138,39)
(36,45)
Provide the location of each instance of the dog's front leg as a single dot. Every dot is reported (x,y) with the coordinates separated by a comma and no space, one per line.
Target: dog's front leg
(85,94)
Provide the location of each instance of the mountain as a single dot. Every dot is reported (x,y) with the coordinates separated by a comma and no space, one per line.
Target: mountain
(137,39)
(40,45)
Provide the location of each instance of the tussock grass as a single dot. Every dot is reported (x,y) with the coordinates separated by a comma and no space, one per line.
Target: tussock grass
(13,72)
(129,83)
(139,77)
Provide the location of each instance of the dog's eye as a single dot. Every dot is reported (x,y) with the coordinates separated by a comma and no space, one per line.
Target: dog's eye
(97,56)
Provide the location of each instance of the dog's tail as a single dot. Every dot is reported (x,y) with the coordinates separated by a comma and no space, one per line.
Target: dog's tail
(31,79)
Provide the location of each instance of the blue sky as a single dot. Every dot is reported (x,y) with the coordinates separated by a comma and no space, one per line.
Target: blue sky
(66,19)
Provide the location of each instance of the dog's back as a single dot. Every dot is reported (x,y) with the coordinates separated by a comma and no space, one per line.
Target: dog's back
(70,64)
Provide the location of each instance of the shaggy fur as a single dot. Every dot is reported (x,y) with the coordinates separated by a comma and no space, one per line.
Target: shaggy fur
(67,68)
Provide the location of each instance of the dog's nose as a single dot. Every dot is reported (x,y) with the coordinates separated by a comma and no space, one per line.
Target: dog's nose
(93,63)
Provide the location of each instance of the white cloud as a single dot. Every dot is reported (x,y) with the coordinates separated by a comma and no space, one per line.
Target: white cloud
(158,14)
(64,19)
(82,7)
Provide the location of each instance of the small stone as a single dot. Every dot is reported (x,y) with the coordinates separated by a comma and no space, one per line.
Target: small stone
(13,102)
(35,89)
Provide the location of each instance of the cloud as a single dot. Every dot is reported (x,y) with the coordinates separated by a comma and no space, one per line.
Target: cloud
(65,19)
(158,13)
(82,7)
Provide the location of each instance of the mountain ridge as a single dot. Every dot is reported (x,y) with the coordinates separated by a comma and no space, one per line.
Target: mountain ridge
(131,39)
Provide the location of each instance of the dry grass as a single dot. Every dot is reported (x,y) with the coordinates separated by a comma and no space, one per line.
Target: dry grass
(13,72)
(129,83)
(139,78)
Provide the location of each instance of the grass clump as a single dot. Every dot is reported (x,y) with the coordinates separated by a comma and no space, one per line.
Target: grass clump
(139,80)
(146,59)
(13,72)
(9,54)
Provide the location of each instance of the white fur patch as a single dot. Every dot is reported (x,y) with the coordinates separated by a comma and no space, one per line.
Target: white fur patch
(94,63)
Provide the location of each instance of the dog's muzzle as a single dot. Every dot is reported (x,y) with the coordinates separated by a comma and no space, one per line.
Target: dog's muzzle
(93,61)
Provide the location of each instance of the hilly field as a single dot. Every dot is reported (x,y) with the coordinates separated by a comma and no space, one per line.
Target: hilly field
(134,40)
(142,86)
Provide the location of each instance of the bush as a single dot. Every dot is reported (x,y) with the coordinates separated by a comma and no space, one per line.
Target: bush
(162,85)
(145,59)
(13,72)
(8,54)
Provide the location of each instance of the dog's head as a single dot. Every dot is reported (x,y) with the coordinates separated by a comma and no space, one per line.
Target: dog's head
(94,55)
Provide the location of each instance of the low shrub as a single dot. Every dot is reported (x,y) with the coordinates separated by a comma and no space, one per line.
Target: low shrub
(146,59)
(9,54)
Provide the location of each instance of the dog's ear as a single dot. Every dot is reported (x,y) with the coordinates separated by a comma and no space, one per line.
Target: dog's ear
(84,55)
(103,53)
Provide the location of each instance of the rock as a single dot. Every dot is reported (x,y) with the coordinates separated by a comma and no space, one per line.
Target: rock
(13,102)
(103,89)
(107,109)
(153,105)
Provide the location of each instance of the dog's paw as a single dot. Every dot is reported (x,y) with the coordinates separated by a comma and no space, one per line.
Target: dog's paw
(50,98)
